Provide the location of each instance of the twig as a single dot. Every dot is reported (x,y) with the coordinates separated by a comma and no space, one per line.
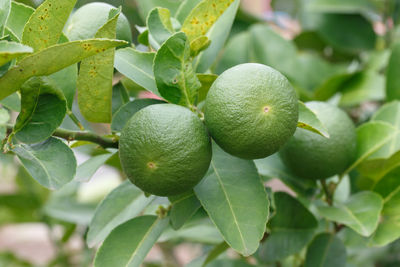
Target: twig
(81,136)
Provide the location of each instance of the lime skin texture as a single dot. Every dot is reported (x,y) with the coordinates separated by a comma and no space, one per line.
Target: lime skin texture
(251,110)
(310,155)
(165,149)
(88,19)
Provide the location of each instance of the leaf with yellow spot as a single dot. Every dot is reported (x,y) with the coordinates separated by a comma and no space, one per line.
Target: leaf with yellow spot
(203,16)
(51,60)
(218,34)
(95,78)
(45,26)
(173,71)
(11,50)
(199,44)
(160,26)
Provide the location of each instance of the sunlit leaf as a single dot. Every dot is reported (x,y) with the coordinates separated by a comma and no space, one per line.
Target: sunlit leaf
(51,60)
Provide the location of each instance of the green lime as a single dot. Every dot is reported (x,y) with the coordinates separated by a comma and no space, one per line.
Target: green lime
(87,20)
(165,149)
(251,110)
(310,155)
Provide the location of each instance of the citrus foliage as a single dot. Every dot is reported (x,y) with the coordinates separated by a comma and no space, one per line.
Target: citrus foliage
(234,109)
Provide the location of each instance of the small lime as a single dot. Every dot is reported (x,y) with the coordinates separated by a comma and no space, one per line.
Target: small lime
(310,155)
(87,20)
(251,110)
(165,149)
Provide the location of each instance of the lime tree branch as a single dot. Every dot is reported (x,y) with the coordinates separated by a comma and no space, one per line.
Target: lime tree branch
(104,142)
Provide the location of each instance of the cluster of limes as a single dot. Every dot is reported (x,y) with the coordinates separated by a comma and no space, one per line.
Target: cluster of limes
(251,112)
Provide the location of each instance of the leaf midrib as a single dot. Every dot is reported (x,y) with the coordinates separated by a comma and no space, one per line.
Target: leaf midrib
(230,205)
(396,126)
(142,241)
(41,165)
(371,151)
(137,68)
(364,230)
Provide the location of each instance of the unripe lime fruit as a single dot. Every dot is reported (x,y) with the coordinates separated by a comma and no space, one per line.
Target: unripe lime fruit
(251,110)
(310,155)
(88,19)
(165,149)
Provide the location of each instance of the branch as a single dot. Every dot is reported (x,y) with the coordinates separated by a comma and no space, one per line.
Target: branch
(80,136)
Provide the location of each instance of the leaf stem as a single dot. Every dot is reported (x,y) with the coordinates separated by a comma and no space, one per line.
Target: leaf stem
(104,142)
(328,194)
(75,120)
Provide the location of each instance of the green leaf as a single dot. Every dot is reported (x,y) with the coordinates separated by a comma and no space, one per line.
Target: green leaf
(375,170)
(331,86)
(389,188)
(120,97)
(375,140)
(122,204)
(240,46)
(195,231)
(312,71)
(51,60)
(273,50)
(175,77)
(360,212)
(326,250)
(129,243)
(160,26)
(347,32)
(392,79)
(19,16)
(51,163)
(362,87)
(12,102)
(308,120)
(65,81)
(203,16)
(218,34)
(44,109)
(95,78)
(235,199)
(215,252)
(11,50)
(137,66)
(126,112)
(292,227)
(4,118)
(184,9)
(273,167)
(45,26)
(145,6)
(206,81)
(87,169)
(341,6)
(5,7)
(184,206)
(199,44)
